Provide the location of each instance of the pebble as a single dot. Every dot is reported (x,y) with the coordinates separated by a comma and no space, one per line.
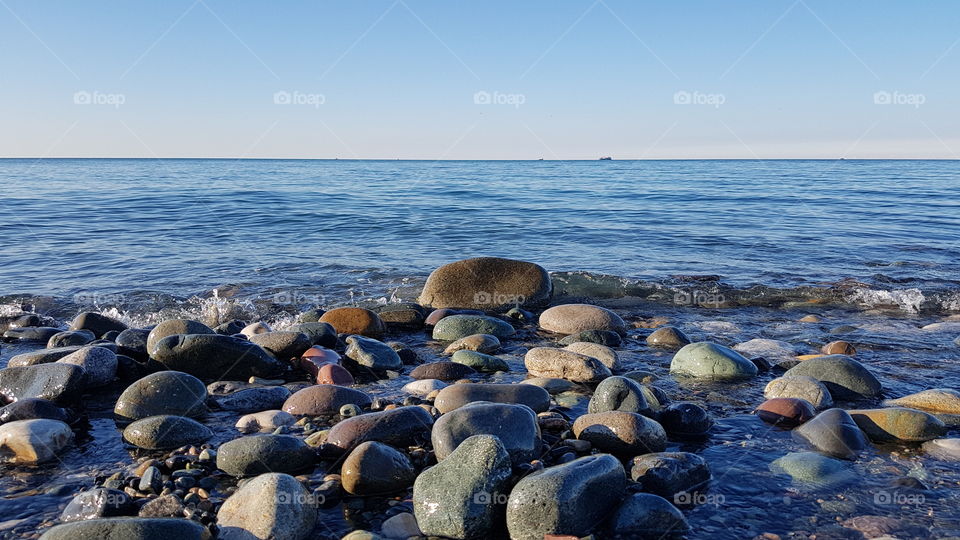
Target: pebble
(355,320)
(563,364)
(785,412)
(444,371)
(515,425)
(644,515)
(621,433)
(481,362)
(374,468)
(458,395)
(575,318)
(800,387)
(667,337)
(400,427)
(264,421)
(619,394)
(669,473)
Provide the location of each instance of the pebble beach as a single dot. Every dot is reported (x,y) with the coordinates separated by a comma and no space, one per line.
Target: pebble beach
(490,404)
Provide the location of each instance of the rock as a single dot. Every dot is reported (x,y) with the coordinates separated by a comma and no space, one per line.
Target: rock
(272,505)
(656,398)
(324,399)
(667,337)
(943,449)
(424,387)
(481,362)
(464,495)
(619,394)
(642,515)
(785,412)
(98,503)
(936,400)
(372,354)
(487,283)
(606,338)
(898,424)
(434,316)
(484,343)
(334,374)
(283,345)
(373,468)
(256,328)
(884,527)
(406,316)
(251,398)
(259,454)
(551,385)
(41,356)
(834,433)
(515,425)
(685,419)
(162,393)
(773,350)
(668,473)
(621,433)
(397,427)
(319,333)
(174,327)
(99,365)
(96,323)
(231,327)
(59,383)
(705,360)
(400,527)
(568,499)
(355,320)
(604,354)
(166,431)
(800,387)
(564,364)
(129,529)
(133,342)
(455,327)
(458,395)
(33,441)
(843,376)
(264,421)
(151,481)
(444,371)
(70,338)
(31,333)
(214,357)
(164,506)
(813,468)
(839,347)
(30,408)
(311,315)
(575,318)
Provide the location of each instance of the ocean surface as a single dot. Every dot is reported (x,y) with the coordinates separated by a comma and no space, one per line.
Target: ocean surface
(145,234)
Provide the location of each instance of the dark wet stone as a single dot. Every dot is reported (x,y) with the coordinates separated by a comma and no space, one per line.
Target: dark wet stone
(374,468)
(230,328)
(163,506)
(165,432)
(619,394)
(603,337)
(398,427)
(283,345)
(70,338)
(96,323)
(843,376)
(647,516)
(129,529)
(669,473)
(251,398)
(685,419)
(98,503)
(319,333)
(28,408)
(444,371)
(133,342)
(458,395)
(214,357)
(259,454)
(834,433)
(515,425)
(59,383)
(41,356)
(164,392)
(31,333)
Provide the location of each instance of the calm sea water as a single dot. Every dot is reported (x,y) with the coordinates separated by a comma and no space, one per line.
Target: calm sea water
(319,231)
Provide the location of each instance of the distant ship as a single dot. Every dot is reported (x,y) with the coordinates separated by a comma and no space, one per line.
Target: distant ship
(606,158)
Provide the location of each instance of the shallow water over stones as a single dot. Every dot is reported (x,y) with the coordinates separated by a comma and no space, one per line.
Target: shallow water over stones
(744,499)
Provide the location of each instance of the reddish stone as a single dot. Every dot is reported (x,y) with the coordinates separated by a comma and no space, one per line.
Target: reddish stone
(434,317)
(839,347)
(355,320)
(786,412)
(322,354)
(334,374)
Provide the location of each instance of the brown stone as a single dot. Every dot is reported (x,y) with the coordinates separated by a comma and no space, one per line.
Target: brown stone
(334,374)
(786,411)
(444,371)
(839,347)
(621,433)
(374,468)
(354,320)
(400,426)
(484,343)
(324,399)
(575,318)
(487,283)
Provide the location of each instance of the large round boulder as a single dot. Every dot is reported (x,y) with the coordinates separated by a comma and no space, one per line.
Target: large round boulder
(843,376)
(487,283)
(705,360)
(898,424)
(164,392)
(97,323)
(129,528)
(374,468)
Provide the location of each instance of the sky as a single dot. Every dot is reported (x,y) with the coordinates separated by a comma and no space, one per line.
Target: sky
(446,79)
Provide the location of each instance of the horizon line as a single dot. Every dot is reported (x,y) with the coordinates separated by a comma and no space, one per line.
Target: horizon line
(51,158)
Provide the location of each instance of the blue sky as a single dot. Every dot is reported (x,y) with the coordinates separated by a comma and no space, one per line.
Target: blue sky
(443,79)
